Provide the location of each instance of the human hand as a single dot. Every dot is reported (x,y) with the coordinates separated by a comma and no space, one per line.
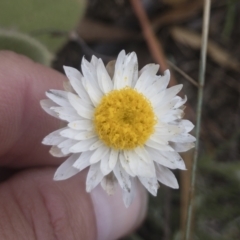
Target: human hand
(33,206)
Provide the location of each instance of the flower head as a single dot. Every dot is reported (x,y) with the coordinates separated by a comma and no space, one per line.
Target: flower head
(123,123)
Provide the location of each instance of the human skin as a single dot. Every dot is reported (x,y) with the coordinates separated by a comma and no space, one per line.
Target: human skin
(33,206)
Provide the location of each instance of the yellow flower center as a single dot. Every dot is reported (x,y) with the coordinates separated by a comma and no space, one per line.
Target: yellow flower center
(124,119)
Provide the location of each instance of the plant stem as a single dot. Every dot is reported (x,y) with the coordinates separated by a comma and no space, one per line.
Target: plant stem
(206,16)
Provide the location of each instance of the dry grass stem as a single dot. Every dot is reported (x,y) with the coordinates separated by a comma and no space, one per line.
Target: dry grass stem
(186,76)
(153,43)
(216,52)
(202,68)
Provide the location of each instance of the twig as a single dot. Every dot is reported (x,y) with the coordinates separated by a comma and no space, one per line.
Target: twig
(177,15)
(172,65)
(206,16)
(153,44)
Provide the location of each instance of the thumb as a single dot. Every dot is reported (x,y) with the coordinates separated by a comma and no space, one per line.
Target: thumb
(36,207)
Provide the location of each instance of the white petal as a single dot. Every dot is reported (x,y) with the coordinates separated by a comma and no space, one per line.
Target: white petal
(83,145)
(182,147)
(93,91)
(157,99)
(181,102)
(94,177)
(69,133)
(130,162)
(152,68)
(90,82)
(66,113)
(130,68)
(65,150)
(104,81)
(94,61)
(89,72)
(46,104)
(168,106)
(147,77)
(151,184)
(118,69)
(113,158)
(171,115)
(72,72)
(162,82)
(175,158)
(159,146)
(135,73)
(171,92)
(143,154)
(183,138)
(138,166)
(57,152)
(54,138)
(123,178)
(66,170)
(67,86)
(146,169)
(186,125)
(104,165)
(83,109)
(161,139)
(85,135)
(67,143)
(126,164)
(128,196)
(165,176)
(96,145)
(77,85)
(150,91)
(167,129)
(109,183)
(110,68)
(99,153)
(157,156)
(59,97)
(83,161)
(81,125)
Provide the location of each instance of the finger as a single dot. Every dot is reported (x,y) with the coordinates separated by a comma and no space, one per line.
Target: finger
(23,124)
(35,207)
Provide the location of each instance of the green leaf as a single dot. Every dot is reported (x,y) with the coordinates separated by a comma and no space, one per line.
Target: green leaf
(41,17)
(26,45)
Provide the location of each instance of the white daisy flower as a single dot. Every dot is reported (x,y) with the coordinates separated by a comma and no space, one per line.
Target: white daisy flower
(122,123)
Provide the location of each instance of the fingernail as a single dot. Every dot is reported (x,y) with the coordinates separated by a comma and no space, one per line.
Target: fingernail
(113,219)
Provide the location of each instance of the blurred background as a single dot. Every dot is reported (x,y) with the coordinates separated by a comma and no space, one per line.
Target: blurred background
(60,33)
